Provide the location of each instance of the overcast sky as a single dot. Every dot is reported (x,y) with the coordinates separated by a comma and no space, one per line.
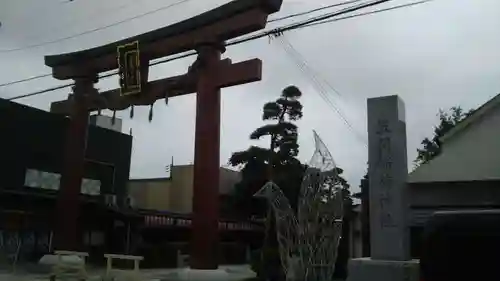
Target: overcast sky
(435,55)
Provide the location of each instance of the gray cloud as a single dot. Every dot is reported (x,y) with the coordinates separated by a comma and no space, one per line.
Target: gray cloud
(436,55)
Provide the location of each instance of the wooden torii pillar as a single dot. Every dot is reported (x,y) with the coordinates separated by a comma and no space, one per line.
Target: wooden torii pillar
(205,33)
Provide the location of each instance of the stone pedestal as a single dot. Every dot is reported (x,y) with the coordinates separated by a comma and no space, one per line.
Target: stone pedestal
(365,269)
(220,274)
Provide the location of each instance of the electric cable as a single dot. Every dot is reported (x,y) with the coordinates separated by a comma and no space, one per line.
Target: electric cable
(312,11)
(97,29)
(94,29)
(306,71)
(371,12)
(192,53)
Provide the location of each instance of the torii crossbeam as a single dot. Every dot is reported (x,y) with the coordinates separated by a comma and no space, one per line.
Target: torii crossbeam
(205,33)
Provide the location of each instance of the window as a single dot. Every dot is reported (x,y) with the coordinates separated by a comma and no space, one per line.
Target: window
(46,180)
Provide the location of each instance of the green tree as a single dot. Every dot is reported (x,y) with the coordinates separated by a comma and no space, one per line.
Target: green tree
(346,191)
(278,162)
(447,120)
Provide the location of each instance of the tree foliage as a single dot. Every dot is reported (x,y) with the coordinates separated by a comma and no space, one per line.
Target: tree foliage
(278,162)
(447,120)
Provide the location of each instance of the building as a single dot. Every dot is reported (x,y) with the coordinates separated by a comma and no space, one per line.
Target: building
(166,204)
(146,217)
(465,175)
(470,151)
(32,152)
(174,193)
(355,234)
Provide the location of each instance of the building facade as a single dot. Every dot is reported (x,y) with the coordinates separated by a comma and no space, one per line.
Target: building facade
(174,193)
(466,174)
(32,152)
(166,204)
(148,217)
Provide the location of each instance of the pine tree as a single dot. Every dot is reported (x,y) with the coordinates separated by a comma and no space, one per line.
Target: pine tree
(278,161)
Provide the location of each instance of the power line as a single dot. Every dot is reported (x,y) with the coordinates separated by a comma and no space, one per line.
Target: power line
(313,10)
(94,30)
(98,12)
(97,29)
(72,36)
(42,91)
(264,34)
(333,14)
(102,76)
(313,72)
(307,71)
(371,13)
(302,66)
(25,79)
(305,23)
(234,42)
(37,10)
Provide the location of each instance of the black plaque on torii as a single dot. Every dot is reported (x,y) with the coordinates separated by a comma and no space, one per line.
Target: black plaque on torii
(129,63)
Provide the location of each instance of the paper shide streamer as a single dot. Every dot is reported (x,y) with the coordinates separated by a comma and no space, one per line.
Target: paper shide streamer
(131,112)
(151,113)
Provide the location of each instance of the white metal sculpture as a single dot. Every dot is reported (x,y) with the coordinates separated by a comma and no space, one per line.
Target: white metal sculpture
(308,241)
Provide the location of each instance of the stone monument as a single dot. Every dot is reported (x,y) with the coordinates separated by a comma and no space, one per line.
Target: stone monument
(387,171)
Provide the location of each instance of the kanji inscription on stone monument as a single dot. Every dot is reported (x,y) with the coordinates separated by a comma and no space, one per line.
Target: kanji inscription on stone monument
(387,170)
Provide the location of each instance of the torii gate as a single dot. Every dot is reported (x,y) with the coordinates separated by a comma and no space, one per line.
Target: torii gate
(204,33)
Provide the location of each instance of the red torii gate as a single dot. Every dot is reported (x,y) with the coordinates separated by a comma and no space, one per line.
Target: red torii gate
(204,33)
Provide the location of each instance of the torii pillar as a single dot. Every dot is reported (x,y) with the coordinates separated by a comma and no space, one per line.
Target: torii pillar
(68,199)
(205,221)
(212,73)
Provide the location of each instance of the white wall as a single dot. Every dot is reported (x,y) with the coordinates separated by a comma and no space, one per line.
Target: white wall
(106,122)
(472,154)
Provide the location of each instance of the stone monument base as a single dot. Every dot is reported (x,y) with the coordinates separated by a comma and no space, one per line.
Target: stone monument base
(367,269)
(188,274)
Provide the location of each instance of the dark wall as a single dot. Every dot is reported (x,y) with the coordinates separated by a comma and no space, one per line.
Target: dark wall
(343,254)
(34,139)
(365,217)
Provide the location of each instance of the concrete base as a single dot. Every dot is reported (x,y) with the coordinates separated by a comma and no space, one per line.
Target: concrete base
(53,259)
(202,275)
(366,269)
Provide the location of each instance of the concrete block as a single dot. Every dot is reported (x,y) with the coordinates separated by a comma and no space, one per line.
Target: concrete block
(367,269)
(52,260)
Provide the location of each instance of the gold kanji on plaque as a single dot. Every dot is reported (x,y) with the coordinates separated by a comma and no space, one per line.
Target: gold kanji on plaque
(129,68)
